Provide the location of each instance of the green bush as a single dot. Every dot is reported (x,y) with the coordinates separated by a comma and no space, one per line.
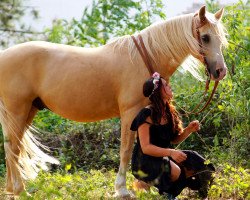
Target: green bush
(80,145)
(230,183)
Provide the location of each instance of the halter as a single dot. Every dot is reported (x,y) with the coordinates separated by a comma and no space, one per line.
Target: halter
(196,33)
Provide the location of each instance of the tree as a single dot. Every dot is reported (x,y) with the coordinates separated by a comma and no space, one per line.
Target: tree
(106,19)
(12,29)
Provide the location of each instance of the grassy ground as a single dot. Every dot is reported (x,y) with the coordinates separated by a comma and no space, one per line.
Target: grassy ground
(99,185)
(2,184)
(95,185)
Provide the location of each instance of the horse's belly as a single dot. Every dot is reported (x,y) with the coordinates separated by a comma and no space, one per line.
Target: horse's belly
(83,111)
(86,113)
(82,102)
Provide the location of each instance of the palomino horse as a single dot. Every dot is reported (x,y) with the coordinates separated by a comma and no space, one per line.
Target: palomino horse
(92,84)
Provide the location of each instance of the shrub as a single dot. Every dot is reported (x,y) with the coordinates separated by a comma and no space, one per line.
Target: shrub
(231,183)
(81,145)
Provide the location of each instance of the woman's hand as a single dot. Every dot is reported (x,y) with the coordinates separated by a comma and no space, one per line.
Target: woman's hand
(178,155)
(194,126)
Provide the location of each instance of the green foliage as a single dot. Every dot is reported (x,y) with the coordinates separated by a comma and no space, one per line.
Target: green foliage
(231,183)
(12,28)
(106,19)
(47,121)
(234,92)
(82,145)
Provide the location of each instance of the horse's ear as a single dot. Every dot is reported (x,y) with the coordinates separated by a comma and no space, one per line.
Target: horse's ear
(219,14)
(202,13)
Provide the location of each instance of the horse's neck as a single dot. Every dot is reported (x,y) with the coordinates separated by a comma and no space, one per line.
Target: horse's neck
(167,45)
(167,67)
(165,64)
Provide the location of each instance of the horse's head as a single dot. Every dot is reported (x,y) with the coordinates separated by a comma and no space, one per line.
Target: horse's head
(209,32)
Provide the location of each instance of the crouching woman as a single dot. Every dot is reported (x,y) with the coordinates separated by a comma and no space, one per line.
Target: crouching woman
(153,160)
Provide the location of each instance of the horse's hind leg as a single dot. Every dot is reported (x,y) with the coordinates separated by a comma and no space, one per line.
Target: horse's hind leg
(14,128)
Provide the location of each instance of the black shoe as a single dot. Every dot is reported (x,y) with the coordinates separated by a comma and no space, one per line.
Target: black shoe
(170,197)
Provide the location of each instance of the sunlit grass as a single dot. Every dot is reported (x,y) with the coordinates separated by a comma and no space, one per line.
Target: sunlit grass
(96,184)
(93,185)
(230,183)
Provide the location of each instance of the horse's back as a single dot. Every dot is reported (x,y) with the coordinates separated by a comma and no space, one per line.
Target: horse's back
(35,48)
(39,58)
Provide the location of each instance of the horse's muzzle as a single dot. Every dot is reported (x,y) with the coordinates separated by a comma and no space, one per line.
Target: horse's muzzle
(218,74)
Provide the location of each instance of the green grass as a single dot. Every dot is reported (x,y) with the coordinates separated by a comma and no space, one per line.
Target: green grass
(230,183)
(2,185)
(96,184)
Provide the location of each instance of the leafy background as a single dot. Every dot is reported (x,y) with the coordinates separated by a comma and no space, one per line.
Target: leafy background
(89,152)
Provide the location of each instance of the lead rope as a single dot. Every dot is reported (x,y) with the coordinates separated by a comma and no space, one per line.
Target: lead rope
(201,121)
(196,132)
(203,99)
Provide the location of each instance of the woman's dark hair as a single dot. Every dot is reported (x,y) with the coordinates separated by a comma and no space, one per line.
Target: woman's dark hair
(159,109)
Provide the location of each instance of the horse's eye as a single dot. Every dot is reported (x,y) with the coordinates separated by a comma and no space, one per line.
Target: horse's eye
(205,38)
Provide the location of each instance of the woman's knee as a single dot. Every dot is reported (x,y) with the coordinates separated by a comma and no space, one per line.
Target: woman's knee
(175,171)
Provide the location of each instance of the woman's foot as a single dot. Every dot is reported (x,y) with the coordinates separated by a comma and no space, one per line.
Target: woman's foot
(170,196)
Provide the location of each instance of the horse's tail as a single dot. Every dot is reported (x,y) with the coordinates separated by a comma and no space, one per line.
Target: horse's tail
(30,158)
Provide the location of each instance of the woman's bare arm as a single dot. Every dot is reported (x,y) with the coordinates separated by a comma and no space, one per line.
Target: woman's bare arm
(192,127)
(152,150)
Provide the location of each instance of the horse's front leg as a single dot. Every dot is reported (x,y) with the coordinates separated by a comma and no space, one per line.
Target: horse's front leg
(127,140)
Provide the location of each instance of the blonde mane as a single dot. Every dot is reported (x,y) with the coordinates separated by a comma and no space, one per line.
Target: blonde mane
(172,39)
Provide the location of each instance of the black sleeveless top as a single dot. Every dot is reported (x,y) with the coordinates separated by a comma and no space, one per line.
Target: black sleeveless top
(145,167)
(160,135)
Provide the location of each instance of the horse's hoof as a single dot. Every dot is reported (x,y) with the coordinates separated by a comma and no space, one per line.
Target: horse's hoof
(9,190)
(27,194)
(19,189)
(124,194)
